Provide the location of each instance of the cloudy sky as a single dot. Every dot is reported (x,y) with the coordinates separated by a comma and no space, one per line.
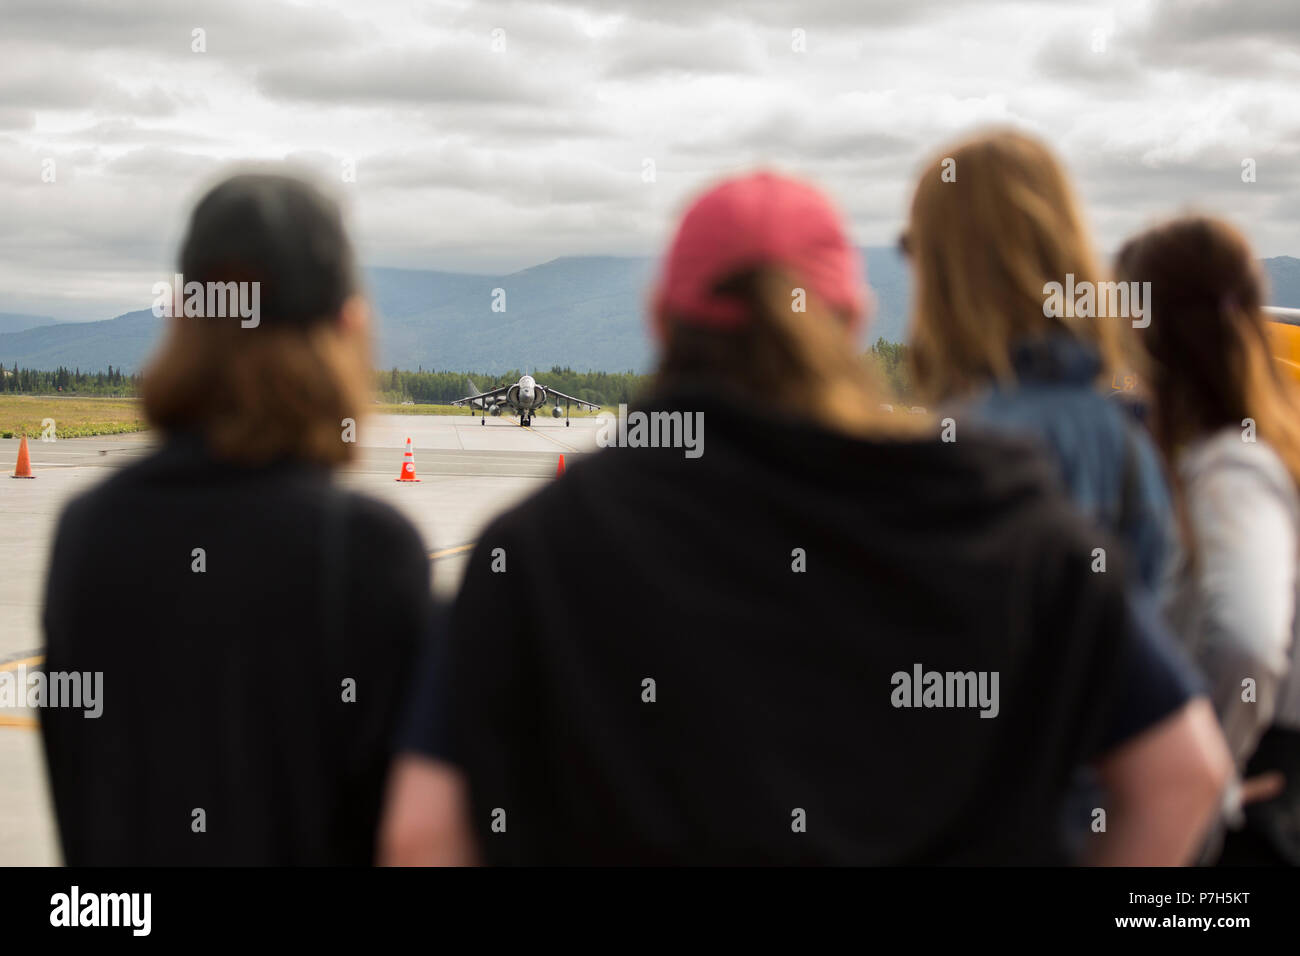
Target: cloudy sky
(490,136)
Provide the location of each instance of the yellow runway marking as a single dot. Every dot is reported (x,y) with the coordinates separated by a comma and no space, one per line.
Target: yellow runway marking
(7,720)
(448,552)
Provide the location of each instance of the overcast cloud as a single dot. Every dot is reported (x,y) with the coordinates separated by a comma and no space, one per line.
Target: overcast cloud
(472,156)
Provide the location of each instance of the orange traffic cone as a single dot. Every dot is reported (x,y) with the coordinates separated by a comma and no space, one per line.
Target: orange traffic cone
(559,467)
(24,467)
(408,465)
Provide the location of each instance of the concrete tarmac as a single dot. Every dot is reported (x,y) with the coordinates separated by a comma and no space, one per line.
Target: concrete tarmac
(469,473)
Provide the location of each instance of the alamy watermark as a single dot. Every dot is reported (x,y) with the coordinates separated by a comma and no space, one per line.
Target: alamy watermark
(212,300)
(652,430)
(75,690)
(74,908)
(955,689)
(1098,300)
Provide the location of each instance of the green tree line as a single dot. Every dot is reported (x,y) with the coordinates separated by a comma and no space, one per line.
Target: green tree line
(435,388)
(29,381)
(893,369)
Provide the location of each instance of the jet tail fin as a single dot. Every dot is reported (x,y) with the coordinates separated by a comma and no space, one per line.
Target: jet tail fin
(473,389)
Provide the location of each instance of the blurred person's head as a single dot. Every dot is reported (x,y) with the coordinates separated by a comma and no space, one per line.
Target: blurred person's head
(993,220)
(761,295)
(1208,360)
(277,387)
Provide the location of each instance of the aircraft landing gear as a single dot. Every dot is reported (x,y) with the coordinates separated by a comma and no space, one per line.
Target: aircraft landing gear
(483,420)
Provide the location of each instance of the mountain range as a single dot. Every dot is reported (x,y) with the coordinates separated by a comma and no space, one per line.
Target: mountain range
(584,312)
(15,322)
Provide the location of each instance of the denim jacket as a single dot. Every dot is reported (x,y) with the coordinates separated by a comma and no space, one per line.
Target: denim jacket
(1106,459)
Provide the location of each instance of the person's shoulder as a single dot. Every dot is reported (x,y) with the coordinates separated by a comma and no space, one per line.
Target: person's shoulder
(104,500)
(380,526)
(988,462)
(1022,485)
(584,474)
(1237,455)
(1060,413)
(142,477)
(79,517)
(564,508)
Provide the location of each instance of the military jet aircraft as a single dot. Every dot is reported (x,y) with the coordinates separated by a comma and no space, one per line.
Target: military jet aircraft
(525,397)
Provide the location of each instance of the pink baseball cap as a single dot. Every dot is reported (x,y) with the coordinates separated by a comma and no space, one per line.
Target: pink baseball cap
(759,219)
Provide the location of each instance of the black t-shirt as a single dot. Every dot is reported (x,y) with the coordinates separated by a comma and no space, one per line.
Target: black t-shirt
(225,690)
(774,731)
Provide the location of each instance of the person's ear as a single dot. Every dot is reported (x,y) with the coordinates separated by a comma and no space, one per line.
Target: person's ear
(354,316)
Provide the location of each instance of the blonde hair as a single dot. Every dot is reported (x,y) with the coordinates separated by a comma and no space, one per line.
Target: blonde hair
(983,245)
(257,395)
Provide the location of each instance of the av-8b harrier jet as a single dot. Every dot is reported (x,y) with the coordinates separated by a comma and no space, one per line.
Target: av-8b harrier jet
(525,397)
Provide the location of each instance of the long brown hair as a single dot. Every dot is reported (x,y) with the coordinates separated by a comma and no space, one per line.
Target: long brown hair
(1209,361)
(256,395)
(803,361)
(994,219)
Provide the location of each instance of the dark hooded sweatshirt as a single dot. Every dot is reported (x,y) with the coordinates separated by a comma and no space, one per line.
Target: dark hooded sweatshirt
(638,671)
(228,733)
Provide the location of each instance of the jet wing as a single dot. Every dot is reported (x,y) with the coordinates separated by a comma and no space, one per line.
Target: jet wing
(480,399)
(556,393)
